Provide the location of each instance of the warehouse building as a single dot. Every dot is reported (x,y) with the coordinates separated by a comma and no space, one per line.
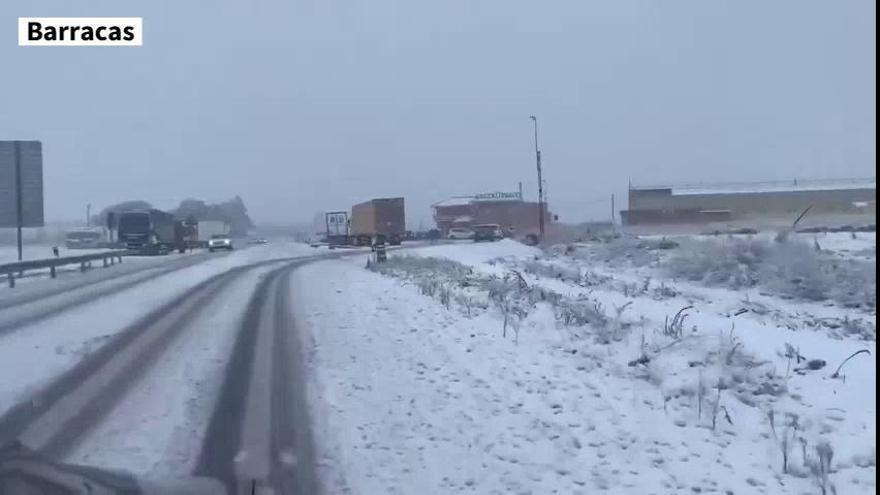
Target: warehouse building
(696,204)
(507,209)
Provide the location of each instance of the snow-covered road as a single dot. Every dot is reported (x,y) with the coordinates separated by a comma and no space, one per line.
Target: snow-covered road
(143,371)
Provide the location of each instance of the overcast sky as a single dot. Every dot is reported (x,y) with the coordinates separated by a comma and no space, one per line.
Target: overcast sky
(306,105)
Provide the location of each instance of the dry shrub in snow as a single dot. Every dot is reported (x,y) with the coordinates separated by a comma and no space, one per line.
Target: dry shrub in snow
(454,283)
(624,249)
(789,268)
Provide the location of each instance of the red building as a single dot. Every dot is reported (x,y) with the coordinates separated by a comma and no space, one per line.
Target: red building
(506,209)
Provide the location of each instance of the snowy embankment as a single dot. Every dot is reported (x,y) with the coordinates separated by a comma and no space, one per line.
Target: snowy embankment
(9,253)
(33,355)
(498,368)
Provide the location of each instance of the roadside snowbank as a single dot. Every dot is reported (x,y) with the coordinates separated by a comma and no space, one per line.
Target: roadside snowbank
(414,389)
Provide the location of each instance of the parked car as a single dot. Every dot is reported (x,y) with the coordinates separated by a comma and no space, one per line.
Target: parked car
(219,241)
(460,233)
(487,232)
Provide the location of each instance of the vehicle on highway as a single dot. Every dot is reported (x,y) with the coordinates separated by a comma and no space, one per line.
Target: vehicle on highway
(207,229)
(383,217)
(457,233)
(84,239)
(147,231)
(220,241)
(487,232)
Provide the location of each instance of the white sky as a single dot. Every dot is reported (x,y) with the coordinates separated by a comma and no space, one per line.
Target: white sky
(306,105)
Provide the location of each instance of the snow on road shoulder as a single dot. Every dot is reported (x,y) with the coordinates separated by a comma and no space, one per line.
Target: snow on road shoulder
(9,253)
(415,389)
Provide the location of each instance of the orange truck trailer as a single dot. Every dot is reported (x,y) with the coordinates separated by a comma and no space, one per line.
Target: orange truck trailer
(378,221)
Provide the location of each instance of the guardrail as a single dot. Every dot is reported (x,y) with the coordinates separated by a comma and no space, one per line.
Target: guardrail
(13,270)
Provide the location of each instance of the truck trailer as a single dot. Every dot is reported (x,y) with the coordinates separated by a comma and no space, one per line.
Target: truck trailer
(378,221)
(337,228)
(209,228)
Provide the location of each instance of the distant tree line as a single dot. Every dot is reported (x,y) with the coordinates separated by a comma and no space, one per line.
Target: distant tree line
(191,210)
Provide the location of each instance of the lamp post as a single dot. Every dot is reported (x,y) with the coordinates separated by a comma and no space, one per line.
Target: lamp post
(540,182)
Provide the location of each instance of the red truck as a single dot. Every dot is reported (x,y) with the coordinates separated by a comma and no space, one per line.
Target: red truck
(378,221)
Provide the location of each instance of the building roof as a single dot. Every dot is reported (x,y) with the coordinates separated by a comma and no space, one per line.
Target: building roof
(454,201)
(765,187)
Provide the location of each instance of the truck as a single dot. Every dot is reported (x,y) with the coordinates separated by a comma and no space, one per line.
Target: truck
(337,228)
(147,231)
(209,228)
(378,221)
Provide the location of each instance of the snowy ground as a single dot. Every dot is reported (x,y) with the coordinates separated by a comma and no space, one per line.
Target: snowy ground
(9,253)
(592,387)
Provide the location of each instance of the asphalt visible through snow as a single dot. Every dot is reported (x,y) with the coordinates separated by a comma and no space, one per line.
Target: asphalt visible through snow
(256,437)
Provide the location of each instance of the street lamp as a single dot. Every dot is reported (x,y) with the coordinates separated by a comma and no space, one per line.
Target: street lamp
(540,182)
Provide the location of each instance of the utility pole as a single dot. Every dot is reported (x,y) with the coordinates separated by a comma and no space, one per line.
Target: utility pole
(540,182)
(89,215)
(612,209)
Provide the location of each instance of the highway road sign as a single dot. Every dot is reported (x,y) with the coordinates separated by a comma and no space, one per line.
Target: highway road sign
(26,157)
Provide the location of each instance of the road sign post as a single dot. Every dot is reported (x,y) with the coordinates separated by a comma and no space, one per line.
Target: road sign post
(19,220)
(21,186)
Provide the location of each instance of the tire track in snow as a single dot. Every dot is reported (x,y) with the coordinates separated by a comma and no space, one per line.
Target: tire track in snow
(53,420)
(259,435)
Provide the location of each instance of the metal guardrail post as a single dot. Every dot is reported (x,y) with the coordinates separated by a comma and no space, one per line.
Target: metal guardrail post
(52,271)
(11,280)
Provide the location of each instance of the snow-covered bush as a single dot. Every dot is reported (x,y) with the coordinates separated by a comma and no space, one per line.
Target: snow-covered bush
(564,272)
(454,283)
(789,268)
(624,249)
(414,266)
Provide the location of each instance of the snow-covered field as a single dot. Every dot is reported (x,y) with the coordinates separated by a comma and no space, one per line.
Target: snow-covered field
(498,368)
